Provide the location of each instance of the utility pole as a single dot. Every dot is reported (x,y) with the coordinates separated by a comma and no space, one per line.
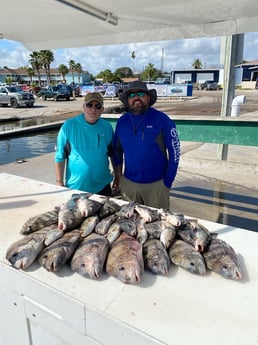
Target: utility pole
(162,61)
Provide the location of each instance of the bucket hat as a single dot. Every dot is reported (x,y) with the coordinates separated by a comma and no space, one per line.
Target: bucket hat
(138,86)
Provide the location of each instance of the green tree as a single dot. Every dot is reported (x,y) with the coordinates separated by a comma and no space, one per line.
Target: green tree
(46,57)
(8,80)
(30,73)
(116,77)
(72,66)
(106,75)
(63,70)
(197,64)
(150,73)
(36,64)
(79,70)
(124,72)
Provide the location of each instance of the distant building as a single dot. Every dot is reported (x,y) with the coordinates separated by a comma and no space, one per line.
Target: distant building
(194,76)
(20,76)
(247,71)
(246,75)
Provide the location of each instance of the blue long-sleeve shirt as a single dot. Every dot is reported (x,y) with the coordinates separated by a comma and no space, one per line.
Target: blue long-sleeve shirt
(149,145)
(86,148)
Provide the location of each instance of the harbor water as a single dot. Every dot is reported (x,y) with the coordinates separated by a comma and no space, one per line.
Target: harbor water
(26,147)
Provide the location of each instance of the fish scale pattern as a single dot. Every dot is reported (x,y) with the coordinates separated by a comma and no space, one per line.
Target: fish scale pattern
(95,237)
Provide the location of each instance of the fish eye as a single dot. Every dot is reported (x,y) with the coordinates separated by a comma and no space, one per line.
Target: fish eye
(82,265)
(200,248)
(121,268)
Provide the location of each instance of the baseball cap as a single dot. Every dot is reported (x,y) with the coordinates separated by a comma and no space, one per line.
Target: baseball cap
(93,96)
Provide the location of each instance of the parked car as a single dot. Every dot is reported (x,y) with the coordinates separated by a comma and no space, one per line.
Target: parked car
(55,92)
(208,85)
(15,97)
(75,90)
(35,90)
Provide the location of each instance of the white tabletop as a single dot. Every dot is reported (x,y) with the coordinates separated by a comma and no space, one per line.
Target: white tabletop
(181,308)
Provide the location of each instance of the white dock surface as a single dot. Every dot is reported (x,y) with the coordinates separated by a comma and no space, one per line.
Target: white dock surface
(39,307)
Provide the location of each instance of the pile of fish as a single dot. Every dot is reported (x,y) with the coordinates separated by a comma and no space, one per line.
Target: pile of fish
(96,236)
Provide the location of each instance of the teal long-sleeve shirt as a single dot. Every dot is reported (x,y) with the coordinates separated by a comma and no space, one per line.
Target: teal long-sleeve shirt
(86,148)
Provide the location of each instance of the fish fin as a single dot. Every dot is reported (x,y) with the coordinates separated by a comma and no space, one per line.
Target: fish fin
(76,196)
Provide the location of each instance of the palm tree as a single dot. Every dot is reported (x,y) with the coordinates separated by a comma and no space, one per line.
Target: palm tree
(8,80)
(106,75)
(72,66)
(63,70)
(78,69)
(197,64)
(150,69)
(133,56)
(30,73)
(36,64)
(47,57)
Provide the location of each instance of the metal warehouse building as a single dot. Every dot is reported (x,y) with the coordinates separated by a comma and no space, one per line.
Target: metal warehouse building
(246,75)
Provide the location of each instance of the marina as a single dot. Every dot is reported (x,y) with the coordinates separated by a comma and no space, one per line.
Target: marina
(219,191)
(216,181)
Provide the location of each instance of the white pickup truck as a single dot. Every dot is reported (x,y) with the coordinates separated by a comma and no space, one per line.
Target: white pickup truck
(15,97)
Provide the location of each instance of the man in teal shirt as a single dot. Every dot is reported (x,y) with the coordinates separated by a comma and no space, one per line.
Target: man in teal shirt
(84,147)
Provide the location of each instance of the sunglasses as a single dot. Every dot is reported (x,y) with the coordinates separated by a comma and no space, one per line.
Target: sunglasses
(138,94)
(96,105)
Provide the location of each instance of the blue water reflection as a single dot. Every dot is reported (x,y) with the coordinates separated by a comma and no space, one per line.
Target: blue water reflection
(27,146)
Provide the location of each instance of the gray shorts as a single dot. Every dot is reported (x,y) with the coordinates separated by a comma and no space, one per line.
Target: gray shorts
(154,194)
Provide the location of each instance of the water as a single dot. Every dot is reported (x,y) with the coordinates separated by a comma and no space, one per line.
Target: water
(12,125)
(220,202)
(27,146)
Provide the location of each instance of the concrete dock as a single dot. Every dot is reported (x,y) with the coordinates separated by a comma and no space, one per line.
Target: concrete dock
(219,191)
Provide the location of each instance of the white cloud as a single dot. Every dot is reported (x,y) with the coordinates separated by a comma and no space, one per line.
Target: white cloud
(251,46)
(177,54)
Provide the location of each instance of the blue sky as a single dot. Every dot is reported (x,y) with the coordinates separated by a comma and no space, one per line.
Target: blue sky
(176,54)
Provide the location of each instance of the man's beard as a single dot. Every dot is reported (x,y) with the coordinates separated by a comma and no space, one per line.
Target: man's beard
(137,108)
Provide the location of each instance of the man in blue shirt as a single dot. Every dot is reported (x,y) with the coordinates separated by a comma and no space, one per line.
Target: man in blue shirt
(146,149)
(84,145)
